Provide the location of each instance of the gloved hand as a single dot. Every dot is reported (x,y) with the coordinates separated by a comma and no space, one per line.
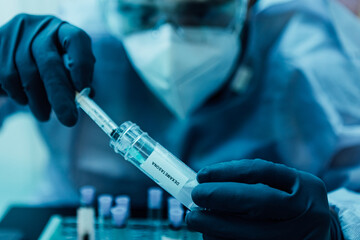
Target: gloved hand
(32,69)
(256,199)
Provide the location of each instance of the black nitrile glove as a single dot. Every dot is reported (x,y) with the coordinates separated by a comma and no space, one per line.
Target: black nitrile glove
(32,69)
(256,199)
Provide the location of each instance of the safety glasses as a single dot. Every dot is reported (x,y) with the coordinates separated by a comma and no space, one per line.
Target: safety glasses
(129,16)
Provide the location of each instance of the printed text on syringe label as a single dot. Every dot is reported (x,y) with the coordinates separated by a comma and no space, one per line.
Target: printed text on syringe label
(171,179)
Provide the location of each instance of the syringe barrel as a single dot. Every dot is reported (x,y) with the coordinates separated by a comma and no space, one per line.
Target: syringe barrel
(94,111)
(156,162)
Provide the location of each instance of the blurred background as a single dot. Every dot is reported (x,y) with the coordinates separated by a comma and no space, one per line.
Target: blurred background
(10,8)
(23,154)
(77,12)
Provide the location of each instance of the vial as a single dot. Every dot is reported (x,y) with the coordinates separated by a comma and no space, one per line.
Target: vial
(87,195)
(123,201)
(104,218)
(176,216)
(104,207)
(86,214)
(119,216)
(154,204)
(173,203)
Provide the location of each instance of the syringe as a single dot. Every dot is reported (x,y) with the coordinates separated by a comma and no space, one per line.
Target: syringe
(95,112)
(146,154)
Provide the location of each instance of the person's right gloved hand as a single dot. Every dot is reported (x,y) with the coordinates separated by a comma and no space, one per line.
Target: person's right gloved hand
(32,67)
(257,199)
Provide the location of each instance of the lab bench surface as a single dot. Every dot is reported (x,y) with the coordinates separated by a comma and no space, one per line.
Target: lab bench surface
(28,223)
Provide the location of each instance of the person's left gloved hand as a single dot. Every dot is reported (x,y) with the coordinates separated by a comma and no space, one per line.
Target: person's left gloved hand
(256,199)
(32,69)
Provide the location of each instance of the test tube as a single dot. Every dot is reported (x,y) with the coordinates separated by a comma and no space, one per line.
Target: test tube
(119,217)
(87,196)
(176,216)
(154,203)
(86,214)
(123,201)
(104,219)
(155,161)
(173,203)
(104,206)
(85,224)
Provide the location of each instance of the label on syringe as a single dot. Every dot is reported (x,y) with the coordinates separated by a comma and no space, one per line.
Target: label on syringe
(164,173)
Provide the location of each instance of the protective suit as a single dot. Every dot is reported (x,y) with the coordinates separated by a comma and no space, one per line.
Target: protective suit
(283,103)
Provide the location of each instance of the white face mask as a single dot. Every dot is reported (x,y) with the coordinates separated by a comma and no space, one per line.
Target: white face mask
(183,71)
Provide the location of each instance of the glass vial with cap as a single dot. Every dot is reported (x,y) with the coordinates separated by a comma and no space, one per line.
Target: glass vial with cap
(155,161)
(104,210)
(155,204)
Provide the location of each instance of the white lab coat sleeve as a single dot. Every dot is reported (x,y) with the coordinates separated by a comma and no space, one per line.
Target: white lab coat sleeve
(347,205)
